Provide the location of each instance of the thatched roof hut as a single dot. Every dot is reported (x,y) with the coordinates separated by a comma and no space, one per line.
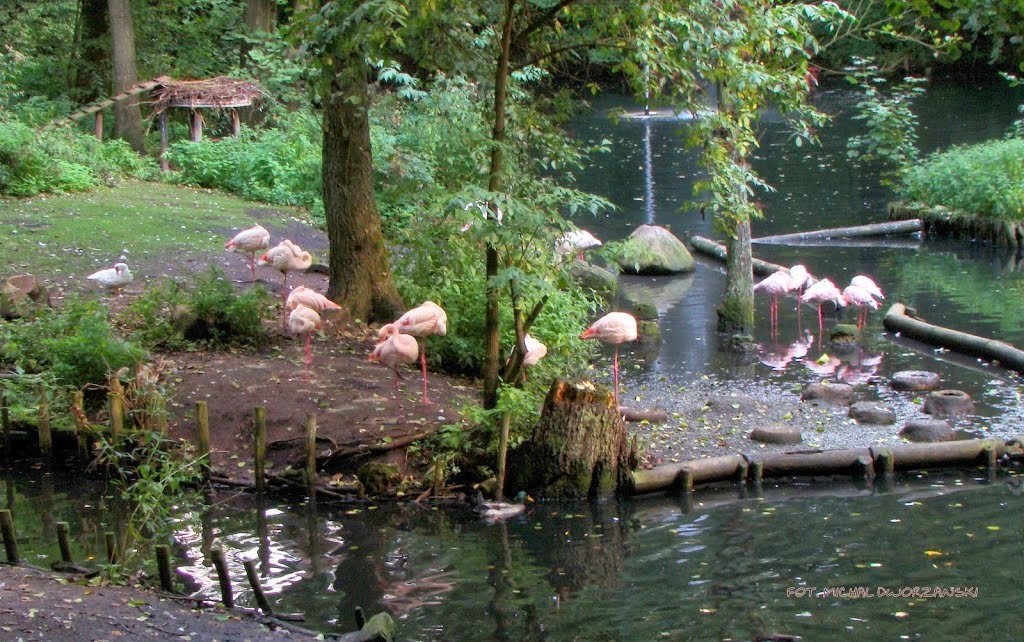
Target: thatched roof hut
(208,93)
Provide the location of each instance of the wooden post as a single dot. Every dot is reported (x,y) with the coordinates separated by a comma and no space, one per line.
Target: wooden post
(99,125)
(160,414)
(257,590)
(311,451)
(115,397)
(164,165)
(195,126)
(756,471)
(163,563)
(438,477)
(45,437)
(64,542)
(236,123)
(10,542)
(203,436)
(887,463)
(221,564)
(259,422)
(5,419)
(686,481)
(81,425)
(111,542)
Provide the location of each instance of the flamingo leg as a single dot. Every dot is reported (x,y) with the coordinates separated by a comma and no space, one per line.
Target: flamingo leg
(821,324)
(423,370)
(615,375)
(252,266)
(309,349)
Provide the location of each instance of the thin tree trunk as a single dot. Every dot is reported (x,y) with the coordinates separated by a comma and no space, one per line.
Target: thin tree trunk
(736,312)
(492,329)
(127,115)
(359,271)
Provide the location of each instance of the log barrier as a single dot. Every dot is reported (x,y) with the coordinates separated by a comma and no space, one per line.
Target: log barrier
(909,226)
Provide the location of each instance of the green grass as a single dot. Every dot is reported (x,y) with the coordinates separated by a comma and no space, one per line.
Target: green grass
(72,234)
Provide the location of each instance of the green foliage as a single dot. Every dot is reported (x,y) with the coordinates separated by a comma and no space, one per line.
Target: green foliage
(76,343)
(985,180)
(891,136)
(207,312)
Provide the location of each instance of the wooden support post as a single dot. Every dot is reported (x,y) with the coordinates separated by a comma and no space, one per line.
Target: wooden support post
(756,471)
(686,481)
(203,436)
(64,542)
(111,542)
(195,126)
(311,452)
(115,398)
(99,126)
(236,123)
(866,466)
(887,463)
(991,454)
(221,564)
(163,564)
(45,437)
(164,165)
(81,423)
(259,423)
(741,471)
(257,590)
(10,541)
(5,420)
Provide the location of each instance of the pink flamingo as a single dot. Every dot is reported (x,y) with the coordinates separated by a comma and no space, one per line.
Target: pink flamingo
(818,294)
(575,241)
(309,298)
(868,286)
(395,349)
(305,321)
(422,321)
(614,328)
(801,280)
(863,300)
(250,241)
(777,283)
(286,257)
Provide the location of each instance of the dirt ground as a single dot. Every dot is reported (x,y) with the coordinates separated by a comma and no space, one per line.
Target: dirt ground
(34,605)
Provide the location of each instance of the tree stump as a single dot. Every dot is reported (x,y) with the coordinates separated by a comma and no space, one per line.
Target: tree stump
(578,449)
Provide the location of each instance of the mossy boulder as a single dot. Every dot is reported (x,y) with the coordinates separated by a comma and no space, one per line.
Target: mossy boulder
(602,282)
(652,249)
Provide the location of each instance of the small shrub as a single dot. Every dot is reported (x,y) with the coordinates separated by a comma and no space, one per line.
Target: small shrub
(208,312)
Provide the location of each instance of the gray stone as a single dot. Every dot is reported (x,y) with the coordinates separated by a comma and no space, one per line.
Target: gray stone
(652,249)
(928,430)
(648,332)
(872,412)
(836,393)
(602,282)
(914,380)
(948,403)
(776,434)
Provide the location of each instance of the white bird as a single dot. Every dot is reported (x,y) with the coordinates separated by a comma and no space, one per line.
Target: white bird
(866,284)
(575,241)
(614,328)
(492,512)
(309,298)
(422,321)
(820,293)
(394,350)
(250,241)
(305,321)
(862,299)
(114,278)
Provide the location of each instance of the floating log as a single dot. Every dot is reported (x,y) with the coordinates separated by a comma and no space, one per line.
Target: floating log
(825,462)
(651,415)
(669,476)
(900,319)
(716,250)
(947,453)
(858,231)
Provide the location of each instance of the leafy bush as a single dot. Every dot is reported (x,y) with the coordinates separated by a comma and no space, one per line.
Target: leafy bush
(209,312)
(986,179)
(75,343)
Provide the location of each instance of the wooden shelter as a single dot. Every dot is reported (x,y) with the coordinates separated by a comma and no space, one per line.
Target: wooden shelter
(221,93)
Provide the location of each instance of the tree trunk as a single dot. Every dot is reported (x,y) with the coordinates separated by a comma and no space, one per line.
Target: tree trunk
(359,271)
(259,16)
(92,55)
(492,356)
(736,311)
(578,449)
(127,115)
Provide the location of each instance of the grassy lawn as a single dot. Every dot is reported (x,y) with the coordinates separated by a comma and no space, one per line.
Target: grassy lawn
(75,234)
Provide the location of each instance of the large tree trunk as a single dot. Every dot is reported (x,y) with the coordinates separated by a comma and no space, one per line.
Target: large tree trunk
(492,356)
(127,115)
(360,275)
(259,16)
(578,448)
(736,311)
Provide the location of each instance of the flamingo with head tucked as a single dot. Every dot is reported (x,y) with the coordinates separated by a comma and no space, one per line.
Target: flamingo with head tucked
(869,286)
(857,296)
(310,298)
(305,321)
(393,350)
(819,294)
(286,257)
(422,321)
(250,241)
(614,328)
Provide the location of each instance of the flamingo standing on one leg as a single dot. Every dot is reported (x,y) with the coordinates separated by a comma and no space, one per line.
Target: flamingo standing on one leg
(422,321)
(614,328)
(395,349)
(819,293)
(777,283)
(286,257)
(862,299)
(250,241)
(305,321)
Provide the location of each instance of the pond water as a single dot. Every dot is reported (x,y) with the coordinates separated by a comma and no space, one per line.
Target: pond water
(825,561)
(964,285)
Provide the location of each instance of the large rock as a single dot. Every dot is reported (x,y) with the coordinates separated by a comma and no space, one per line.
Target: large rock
(777,434)
(602,282)
(18,291)
(928,431)
(948,403)
(872,412)
(835,393)
(914,380)
(651,249)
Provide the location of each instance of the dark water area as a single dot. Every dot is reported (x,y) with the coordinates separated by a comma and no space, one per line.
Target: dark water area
(828,561)
(964,285)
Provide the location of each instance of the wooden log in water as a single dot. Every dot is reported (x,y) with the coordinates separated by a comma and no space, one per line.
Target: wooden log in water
(899,319)
(943,454)
(715,250)
(846,461)
(9,537)
(858,231)
(669,476)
